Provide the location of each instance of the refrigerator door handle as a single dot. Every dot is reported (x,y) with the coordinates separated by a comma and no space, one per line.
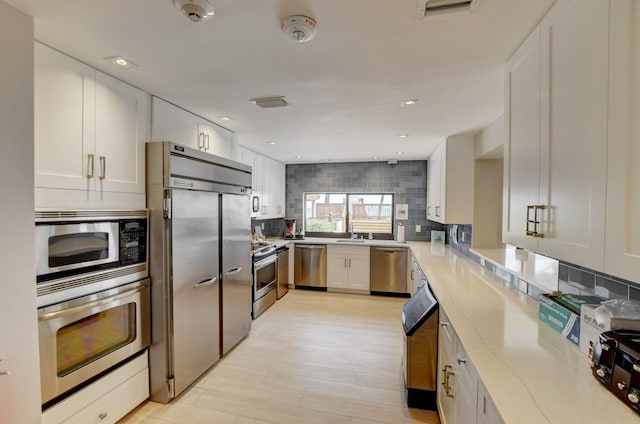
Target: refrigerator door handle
(205,283)
(233,271)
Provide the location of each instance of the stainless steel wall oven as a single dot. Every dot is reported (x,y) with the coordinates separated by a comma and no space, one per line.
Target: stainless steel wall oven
(93,295)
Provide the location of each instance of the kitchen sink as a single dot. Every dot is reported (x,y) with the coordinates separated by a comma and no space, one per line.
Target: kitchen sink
(351,241)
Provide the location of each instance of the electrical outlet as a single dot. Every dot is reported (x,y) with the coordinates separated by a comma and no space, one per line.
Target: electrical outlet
(463,237)
(418,228)
(523,286)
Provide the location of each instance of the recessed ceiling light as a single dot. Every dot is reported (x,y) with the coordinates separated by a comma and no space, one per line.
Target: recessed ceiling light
(121,61)
(298,156)
(375,158)
(273,143)
(408,102)
(325,160)
(225,118)
(399,153)
(403,135)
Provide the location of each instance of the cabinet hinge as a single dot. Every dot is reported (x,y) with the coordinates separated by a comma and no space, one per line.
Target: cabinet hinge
(167,208)
(171,388)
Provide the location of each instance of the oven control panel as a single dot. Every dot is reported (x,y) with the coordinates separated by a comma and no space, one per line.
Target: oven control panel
(133,241)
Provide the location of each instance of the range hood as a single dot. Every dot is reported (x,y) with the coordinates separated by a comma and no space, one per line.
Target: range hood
(428,8)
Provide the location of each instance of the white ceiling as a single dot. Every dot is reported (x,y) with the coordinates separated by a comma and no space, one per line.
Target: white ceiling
(344,86)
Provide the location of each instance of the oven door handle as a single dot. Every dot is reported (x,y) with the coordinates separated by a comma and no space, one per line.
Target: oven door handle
(92,304)
(206,282)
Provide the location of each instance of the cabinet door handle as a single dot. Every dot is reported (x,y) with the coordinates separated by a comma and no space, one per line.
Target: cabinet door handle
(5,372)
(437,210)
(345,262)
(206,138)
(201,141)
(349,262)
(103,167)
(428,210)
(90,165)
(103,415)
(533,222)
(461,361)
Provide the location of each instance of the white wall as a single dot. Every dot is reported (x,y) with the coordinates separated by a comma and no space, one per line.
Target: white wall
(19,391)
(490,141)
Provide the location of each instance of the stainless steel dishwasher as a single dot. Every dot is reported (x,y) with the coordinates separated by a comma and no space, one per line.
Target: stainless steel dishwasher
(310,266)
(389,270)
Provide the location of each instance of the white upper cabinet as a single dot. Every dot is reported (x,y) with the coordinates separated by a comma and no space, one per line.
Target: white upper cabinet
(522,144)
(121,116)
(89,128)
(268,183)
(622,256)
(561,206)
(172,123)
(573,136)
(64,120)
(450,171)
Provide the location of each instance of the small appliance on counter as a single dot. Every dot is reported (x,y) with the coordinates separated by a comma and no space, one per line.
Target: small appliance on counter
(616,364)
(289,228)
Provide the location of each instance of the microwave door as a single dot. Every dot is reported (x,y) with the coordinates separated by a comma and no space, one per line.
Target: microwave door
(65,247)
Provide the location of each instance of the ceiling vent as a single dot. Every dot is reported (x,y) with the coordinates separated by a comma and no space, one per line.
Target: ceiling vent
(270,102)
(428,8)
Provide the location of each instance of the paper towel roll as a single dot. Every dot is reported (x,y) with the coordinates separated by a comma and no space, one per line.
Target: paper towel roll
(400,233)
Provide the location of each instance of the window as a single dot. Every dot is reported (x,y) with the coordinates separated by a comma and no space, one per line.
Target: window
(337,214)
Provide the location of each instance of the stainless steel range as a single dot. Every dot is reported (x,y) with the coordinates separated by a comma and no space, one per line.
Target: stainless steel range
(265,277)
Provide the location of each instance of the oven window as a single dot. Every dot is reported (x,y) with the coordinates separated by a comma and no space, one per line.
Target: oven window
(95,336)
(69,249)
(266,275)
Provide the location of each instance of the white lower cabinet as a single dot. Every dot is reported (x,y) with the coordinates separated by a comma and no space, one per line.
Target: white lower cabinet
(106,400)
(462,397)
(487,412)
(348,268)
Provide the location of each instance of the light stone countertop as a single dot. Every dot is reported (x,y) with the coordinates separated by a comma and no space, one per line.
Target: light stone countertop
(536,269)
(534,375)
(342,241)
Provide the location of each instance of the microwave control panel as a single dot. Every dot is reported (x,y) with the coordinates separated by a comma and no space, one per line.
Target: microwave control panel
(133,241)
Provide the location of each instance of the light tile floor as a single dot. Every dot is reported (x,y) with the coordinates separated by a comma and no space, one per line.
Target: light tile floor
(312,358)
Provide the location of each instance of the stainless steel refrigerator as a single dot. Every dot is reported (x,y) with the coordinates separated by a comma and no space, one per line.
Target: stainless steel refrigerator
(200,262)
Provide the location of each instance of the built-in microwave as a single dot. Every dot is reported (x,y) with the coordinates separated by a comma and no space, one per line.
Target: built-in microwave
(85,251)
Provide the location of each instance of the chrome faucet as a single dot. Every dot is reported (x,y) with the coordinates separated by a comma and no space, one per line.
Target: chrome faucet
(353,235)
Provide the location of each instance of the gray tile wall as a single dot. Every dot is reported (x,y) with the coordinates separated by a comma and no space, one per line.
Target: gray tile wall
(272,227)
(407,180)
(580,280)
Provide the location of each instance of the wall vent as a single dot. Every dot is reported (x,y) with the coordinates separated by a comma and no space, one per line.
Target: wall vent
(428,8)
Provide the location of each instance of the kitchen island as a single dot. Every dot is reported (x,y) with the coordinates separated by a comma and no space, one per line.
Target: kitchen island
(533,374)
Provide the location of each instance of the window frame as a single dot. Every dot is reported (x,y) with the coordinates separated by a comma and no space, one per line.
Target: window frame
(347,234)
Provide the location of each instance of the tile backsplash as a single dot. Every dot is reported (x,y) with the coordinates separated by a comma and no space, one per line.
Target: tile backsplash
(407,180)
(272,227)
(580,280)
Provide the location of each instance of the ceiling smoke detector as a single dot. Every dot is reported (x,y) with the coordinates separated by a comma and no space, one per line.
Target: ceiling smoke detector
(195,10)
(299,28)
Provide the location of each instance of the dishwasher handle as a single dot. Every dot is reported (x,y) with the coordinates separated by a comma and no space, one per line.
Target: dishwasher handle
(388,249)
(311,246)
